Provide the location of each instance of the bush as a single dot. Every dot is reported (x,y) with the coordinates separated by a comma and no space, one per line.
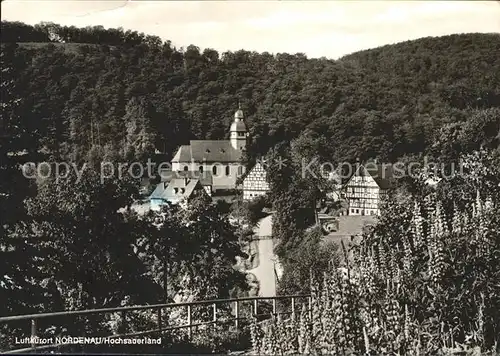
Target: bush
(425,280)
(310,260)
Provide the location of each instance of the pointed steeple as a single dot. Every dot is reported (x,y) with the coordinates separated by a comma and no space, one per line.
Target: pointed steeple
(238,131)
(238,115)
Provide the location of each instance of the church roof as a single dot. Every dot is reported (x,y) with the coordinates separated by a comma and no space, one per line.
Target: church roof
(209,151)
(175,190)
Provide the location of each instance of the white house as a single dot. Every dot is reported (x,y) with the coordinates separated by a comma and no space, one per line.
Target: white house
(205,178)
(255,183)
(366,189)
(177,191)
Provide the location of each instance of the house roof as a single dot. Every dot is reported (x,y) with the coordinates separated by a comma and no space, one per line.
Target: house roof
(205,178)
(351,225)
(219,151)
(176,189)
(382,174)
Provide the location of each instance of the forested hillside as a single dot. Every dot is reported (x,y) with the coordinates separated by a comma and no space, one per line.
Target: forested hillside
(88,94)
(127,93)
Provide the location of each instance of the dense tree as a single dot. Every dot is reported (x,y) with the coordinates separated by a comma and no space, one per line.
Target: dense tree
(311,259)
(88,242)
(211,241)
(251,211)
(140,136)
(17,257)
(384,103)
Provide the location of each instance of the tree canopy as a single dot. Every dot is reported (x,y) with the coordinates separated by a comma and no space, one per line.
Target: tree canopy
(81,87)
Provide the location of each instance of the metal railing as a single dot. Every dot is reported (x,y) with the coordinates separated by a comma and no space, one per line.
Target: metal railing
(162,326)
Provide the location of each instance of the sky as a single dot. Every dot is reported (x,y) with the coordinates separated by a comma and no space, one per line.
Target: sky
(316,28)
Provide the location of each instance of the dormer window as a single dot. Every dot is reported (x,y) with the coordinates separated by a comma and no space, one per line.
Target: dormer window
(183,190)
(176,190)
(207,151)
(222,150)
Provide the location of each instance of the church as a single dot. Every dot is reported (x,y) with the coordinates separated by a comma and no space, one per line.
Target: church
(219,158)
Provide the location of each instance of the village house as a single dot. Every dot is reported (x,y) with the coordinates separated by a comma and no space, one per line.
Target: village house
(255,183)
(366,189)
(176,191)
(222,158)
(205,178)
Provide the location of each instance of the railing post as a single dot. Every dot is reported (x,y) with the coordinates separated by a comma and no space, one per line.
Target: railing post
(33,333)
(190,330)
(310,307)
(255,306)
(236,314)
(274,307)
(159,320)
(124,324)
(214,306)
(293,307)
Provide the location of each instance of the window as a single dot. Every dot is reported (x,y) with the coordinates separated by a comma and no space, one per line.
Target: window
(241,134)
(240,170)
(185,168)
(228,170)
(200,169)
(214,170)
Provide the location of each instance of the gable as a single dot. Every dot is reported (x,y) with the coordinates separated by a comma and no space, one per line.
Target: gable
(373,176)
(183,154)
(256,178)
(362,178)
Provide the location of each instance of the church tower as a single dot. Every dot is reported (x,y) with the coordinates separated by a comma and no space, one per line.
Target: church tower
(238,133)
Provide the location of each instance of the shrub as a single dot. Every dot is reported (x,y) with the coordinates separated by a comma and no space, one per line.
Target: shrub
(425,280)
